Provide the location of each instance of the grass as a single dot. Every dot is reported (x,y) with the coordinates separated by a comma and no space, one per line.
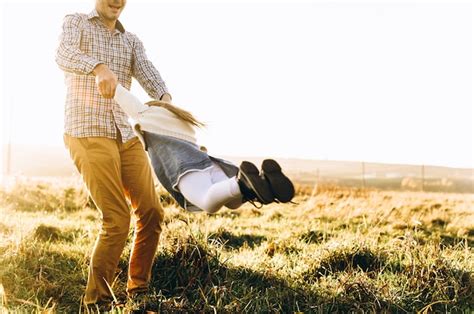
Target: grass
(337,250)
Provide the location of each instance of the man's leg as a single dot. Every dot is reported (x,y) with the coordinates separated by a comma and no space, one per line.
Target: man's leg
(139,185)
(98,161)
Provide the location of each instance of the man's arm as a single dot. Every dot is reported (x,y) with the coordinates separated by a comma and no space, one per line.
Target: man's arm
(146,73)
(69,56)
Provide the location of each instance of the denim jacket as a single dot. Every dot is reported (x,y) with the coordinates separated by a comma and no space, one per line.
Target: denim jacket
(172,158)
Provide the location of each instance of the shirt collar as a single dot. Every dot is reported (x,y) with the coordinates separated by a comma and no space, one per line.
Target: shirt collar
(94,14)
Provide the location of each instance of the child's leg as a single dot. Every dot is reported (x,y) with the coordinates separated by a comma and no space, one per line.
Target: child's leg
(204,190)
(217,175)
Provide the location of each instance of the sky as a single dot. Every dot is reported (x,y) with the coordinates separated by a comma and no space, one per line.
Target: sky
(375,81)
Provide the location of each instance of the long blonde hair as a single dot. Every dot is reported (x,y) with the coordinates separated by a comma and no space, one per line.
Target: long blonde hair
(180,113)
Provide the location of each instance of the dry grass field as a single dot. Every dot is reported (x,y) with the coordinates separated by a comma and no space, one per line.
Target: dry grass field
(336,250)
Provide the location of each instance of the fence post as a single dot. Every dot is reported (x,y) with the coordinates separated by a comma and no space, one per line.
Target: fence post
(8,159)
(316,185)
(317,181)
(363,175)
(422,178)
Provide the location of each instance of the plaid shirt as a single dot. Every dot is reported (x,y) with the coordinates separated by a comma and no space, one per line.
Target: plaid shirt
(84,43)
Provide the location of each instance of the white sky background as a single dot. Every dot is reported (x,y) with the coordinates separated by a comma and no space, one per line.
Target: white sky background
(383,81)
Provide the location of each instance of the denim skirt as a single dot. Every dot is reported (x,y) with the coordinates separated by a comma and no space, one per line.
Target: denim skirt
(171,158)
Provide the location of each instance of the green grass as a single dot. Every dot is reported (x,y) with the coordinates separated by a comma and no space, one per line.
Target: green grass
(337,250)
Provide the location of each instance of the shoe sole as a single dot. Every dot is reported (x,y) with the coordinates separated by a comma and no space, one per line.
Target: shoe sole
(259,186)
(281,185)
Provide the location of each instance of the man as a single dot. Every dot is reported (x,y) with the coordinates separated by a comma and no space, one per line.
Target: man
(96,53)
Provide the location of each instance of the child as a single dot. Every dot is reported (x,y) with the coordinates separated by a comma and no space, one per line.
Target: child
(197,181)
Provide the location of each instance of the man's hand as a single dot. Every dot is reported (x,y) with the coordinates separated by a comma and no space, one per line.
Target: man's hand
(166,97)
(105,80)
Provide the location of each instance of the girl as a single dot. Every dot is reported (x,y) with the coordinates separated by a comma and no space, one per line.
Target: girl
(197,181)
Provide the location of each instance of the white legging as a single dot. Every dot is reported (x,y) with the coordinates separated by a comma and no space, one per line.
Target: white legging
(210,189)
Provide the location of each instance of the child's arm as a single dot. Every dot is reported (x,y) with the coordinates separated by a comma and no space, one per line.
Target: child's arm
(128,102)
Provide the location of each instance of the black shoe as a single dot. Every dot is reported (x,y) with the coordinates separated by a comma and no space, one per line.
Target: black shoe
(252,185)
(281,186)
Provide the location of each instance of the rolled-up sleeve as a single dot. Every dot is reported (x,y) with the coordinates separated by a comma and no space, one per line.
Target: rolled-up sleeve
(69,56)
(145,72)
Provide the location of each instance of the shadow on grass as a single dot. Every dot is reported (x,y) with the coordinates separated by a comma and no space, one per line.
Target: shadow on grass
(445,238)
(314,236)
(452,240)
(232,241)
(191,278)
(344,260)
(47,233)
(426,281)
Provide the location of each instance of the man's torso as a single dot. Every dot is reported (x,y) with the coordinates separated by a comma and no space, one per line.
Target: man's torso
(87,113)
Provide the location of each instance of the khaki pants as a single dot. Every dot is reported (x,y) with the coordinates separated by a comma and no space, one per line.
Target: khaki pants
(114,171)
